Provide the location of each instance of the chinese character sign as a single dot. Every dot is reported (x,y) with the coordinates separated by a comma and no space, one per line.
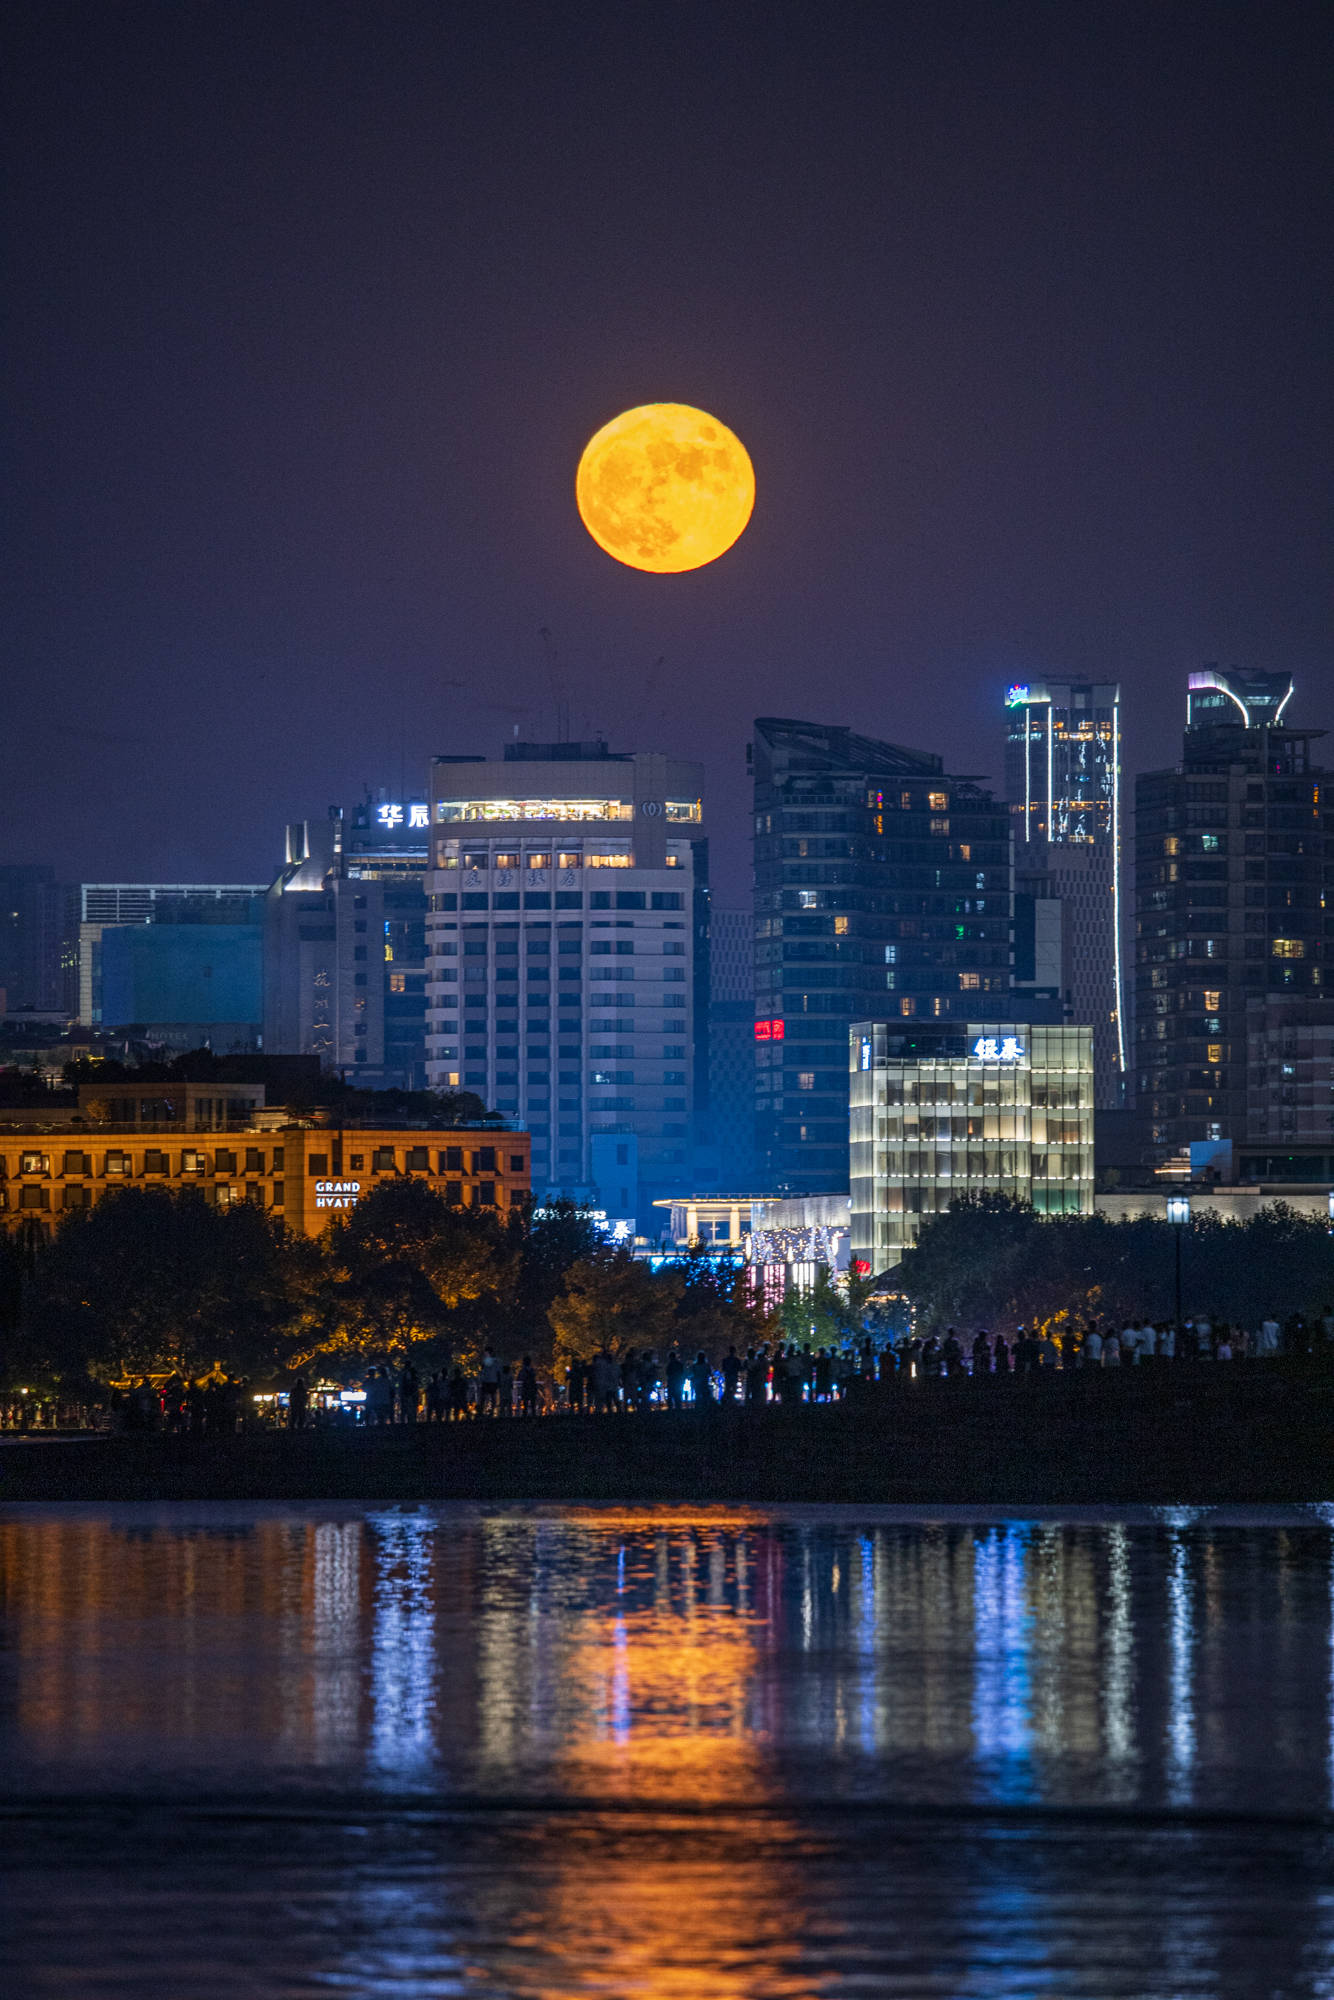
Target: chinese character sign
(392,815)
(998,1049)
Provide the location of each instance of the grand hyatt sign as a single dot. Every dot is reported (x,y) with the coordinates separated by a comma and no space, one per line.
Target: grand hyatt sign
(336,1194)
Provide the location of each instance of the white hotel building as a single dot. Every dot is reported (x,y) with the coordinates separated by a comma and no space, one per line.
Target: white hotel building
(567,960)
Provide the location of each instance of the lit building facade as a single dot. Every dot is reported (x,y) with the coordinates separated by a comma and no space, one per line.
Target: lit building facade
(881,884)
(1063,782)
(1234,905)
(345,944)
(983,1106)
(568,959)
(219,1138)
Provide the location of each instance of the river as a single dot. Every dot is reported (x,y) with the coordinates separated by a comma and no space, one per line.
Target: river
(723,1754)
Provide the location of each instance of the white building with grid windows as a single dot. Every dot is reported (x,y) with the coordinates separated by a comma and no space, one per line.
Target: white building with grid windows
(567,960)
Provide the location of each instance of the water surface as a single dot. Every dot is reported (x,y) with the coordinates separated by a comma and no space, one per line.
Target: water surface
(558,1752)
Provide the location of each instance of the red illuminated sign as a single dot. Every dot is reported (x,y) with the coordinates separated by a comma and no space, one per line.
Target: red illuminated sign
(768,1031)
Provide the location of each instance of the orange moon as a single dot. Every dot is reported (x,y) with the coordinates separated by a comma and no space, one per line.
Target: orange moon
(665,487)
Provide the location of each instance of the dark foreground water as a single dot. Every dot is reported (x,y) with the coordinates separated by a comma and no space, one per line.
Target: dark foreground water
(723,1755)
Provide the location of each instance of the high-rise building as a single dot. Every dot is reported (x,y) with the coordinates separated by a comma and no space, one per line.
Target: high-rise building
(37,946)
(345,944)
(727,1154)
(568,959)
(1234,902)
(1063,782)
(881,884)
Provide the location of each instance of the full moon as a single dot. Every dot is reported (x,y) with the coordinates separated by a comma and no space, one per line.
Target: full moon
(665,487)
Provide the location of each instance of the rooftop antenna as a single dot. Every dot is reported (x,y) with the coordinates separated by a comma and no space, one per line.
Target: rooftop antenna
(559,699)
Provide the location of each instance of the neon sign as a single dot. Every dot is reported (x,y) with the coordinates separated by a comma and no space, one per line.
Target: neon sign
(412,815)
(768,1031)
(336,1194)
(998,1049)
(1017,695)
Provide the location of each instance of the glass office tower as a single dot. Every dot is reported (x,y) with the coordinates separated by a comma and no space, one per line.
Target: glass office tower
(1063,782)
(937,1112)
(1234,908)
(881,884)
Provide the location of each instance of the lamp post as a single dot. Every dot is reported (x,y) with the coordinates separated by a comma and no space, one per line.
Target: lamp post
(1178,1214)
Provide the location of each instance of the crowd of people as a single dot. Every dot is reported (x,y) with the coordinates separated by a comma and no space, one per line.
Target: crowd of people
(788,1372)
(636,1382)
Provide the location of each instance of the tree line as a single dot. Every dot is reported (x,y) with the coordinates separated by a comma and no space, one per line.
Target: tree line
(993,1262)
(152,1280)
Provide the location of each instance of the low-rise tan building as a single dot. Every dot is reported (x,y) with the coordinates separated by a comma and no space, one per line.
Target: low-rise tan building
(223,1141)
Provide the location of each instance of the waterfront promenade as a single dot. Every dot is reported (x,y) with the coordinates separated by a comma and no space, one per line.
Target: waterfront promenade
(1202,1433)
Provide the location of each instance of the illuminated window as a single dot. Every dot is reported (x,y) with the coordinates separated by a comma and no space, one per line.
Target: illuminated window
(1214,1052)
(539,861)
(940,826)
(478,857)
(507,861)
(1288,948)
(806,899)
(805,1079)
(683,809)
(568,860)
(938,801)
(905,800)
(1171,845)
(522,809)
(840,926)
(938,1005)
(965,851)
(398,982)
(620,859)
(907,1006)
(1212,1000)
(970,981)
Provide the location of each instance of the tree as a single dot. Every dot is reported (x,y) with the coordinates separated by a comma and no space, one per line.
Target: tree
(993,1262)
(965,1266)
(616,1302)
(405,1269)
(154,1279)
(717,1307)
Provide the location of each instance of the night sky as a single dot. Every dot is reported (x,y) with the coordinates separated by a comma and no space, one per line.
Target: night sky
(1022,311)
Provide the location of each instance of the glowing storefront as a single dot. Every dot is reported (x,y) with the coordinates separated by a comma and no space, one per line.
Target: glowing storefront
(941,1112)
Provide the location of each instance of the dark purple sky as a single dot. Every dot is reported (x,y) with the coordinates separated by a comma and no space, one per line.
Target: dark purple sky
(1023,312)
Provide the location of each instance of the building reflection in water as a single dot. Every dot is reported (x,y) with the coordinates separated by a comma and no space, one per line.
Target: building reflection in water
(404,1669)
(1002,1684)
(672,1656)
(1181,1690)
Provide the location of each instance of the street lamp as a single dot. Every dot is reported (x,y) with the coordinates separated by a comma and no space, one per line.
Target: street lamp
(1178,1214)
